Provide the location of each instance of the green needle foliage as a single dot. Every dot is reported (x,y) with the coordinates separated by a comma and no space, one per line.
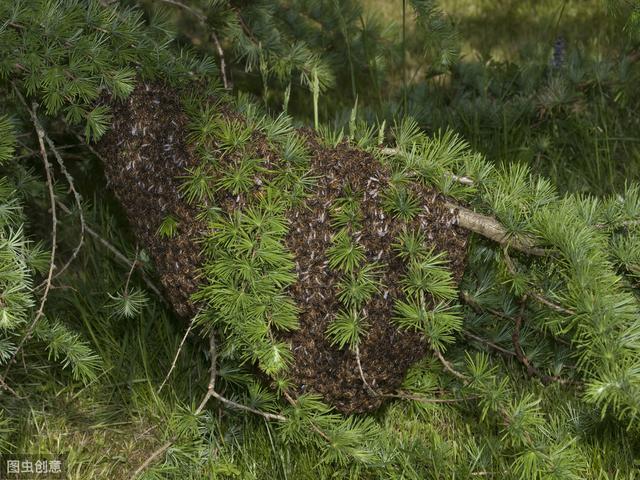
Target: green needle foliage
(402,203)
(358,287)
(347,328)
(536,372)
(345,254)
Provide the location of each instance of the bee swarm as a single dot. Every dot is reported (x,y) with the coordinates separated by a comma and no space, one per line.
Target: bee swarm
(146,153)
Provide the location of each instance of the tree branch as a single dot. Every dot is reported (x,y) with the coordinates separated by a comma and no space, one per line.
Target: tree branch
(54,231)
(78,200)
(490,228)
(118,254)
(211,393)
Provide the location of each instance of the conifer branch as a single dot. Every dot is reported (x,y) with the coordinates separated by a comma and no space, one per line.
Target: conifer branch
(314,427)
(515,338)
(72,187)
(478,308)
(54,234)
(211,392)
(202,17)
(488,343)
(456,178)
(401,395)
(484,225)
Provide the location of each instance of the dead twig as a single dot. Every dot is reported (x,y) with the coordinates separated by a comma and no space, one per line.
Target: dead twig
(223,65)
(211,392)
(175,359)
(78,200)
(366,384)
(122,258)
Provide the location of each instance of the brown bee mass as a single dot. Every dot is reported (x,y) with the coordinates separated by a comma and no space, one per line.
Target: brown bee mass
(146,152)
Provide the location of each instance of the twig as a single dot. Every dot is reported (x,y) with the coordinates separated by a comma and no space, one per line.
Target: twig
(223,65)
(537,296)
(175,359)
(239,406)
(213,369)
(366,384)
(131,269)
(448,367)
(401,395)
(479,308)
(202,17)
(152,459)
(78,200)
(489,343)
(211,393)
(54,235)
(314,427)
(515,338)
(89,147)
(475,305)
(419,398)
(72,187)
(6,387)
